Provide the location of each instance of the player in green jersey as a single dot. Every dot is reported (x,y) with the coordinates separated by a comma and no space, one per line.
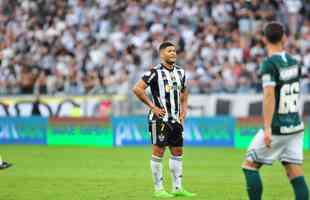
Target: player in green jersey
(282,136)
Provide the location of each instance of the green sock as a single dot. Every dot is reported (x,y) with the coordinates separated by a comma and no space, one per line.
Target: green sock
(254,184)
(300,188)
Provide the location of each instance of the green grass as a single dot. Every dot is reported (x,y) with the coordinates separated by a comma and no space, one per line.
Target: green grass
(73,173)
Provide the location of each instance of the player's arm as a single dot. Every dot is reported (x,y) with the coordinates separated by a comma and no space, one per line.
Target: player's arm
(268,109)
(184,104)
(268,80)
(183,99)
(304,72)
(139,91)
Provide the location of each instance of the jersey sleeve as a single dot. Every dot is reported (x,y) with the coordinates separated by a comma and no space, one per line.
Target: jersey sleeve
(267,74)
(303,71)
(149,77)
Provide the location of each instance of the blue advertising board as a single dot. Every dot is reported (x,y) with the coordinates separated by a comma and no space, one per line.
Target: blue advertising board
(131,130)
(19,130)
(209,131)
(198,131)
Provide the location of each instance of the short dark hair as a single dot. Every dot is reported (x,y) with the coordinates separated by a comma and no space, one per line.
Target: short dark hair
(274,32)
(165,45)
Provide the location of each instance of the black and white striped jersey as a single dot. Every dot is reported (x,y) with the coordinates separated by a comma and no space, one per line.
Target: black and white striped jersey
(166,87)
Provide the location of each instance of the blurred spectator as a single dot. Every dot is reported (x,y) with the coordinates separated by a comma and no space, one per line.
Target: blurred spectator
(101,46)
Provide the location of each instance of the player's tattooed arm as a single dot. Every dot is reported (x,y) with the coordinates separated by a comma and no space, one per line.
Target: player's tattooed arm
(268,109)
(184,105)
(139,91)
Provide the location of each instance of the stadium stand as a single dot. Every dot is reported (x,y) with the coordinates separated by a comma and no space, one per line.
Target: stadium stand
(79,47)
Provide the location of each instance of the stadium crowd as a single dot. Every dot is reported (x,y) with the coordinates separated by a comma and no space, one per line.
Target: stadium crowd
(103,46)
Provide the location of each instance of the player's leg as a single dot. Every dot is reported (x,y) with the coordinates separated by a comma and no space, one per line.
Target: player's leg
(251,166)
(176,167)
(157,171)
(292,159)
(158,149)
(257,155)
(175,141)
(296,176)
(254,183)
(157,167)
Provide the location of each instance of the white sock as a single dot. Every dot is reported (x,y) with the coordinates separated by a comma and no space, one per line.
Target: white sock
(157,172)
(176,170)
(1,162)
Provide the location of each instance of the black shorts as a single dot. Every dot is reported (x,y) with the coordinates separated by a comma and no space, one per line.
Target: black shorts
(166,133)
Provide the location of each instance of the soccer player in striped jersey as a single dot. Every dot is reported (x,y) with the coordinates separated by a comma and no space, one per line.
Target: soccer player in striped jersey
(168,109)
(283,133)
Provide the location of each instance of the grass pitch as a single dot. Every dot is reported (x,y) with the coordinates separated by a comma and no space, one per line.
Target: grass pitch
(74,173)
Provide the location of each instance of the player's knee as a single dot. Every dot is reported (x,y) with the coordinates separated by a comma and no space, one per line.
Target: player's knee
(250,165)
(293,170)
(177,151)
(158,151)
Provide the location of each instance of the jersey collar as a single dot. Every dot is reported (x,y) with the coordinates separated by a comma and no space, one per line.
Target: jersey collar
(280,53)
(163,66)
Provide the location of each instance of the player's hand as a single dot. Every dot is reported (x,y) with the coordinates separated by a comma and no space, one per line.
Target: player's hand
(158,112)
(182,118)
(267,137)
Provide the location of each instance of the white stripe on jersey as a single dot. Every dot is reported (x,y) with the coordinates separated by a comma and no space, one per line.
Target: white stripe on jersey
(154,131)
(162,98)
(171,93)
(183,74)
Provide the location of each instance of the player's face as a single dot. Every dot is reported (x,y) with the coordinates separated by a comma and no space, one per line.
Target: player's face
(169,54)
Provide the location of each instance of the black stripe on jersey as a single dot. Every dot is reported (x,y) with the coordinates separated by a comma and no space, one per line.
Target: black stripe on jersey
(167,95)
(155,93)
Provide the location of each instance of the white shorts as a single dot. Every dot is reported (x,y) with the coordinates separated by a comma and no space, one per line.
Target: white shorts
(285,148)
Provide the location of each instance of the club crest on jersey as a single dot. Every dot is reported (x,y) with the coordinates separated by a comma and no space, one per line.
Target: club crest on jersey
(161,137)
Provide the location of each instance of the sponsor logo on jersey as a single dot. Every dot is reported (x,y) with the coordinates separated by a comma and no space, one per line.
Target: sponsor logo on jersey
(290,73)
(168,88)
(291,129)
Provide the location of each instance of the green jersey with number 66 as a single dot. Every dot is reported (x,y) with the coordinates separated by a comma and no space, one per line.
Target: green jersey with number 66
(283,72)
